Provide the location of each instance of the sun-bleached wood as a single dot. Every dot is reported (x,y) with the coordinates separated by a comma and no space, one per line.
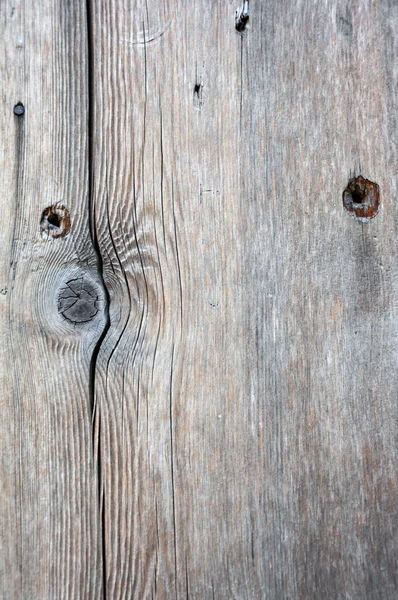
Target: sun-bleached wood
(224,425)
(246,392)
(50,544)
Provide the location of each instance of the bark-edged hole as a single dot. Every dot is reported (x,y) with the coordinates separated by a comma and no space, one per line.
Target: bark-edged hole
(55,222)
(361,198)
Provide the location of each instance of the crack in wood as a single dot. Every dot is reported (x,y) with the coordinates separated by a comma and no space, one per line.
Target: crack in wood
(96,416)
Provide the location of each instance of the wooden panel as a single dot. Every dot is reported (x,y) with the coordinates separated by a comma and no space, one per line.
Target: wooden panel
(246,390)
(237,408)
(49,528)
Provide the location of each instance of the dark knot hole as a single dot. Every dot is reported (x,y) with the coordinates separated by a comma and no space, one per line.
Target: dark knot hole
(358,194)
(54,219)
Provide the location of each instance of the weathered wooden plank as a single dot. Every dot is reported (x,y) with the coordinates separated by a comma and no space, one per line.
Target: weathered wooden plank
(247,388)
(245,408)
(329,112)
(49,527)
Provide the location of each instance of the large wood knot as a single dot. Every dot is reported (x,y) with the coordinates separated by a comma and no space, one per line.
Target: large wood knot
(79,300)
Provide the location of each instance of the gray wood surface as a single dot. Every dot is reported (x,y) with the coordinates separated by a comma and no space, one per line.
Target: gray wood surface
(49,528)
(221,420)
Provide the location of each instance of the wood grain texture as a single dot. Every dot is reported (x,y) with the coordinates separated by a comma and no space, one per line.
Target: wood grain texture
(219,421)
(246,397)
(49,526)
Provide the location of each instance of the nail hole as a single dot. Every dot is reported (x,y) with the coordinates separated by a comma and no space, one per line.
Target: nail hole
(361,198)
(19,109)
(196,89)
(55,222)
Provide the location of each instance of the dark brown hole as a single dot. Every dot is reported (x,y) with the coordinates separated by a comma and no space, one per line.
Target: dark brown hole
(196,89)
(361,198)
(358,195)
(54,219)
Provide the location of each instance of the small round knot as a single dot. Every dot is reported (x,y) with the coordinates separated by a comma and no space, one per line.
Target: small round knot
(361,198)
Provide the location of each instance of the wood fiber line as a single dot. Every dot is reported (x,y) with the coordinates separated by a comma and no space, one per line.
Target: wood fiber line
(51,309)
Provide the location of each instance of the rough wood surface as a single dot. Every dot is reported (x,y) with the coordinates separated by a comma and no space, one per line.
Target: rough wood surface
(49,526)
(247,388)
(241,372)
